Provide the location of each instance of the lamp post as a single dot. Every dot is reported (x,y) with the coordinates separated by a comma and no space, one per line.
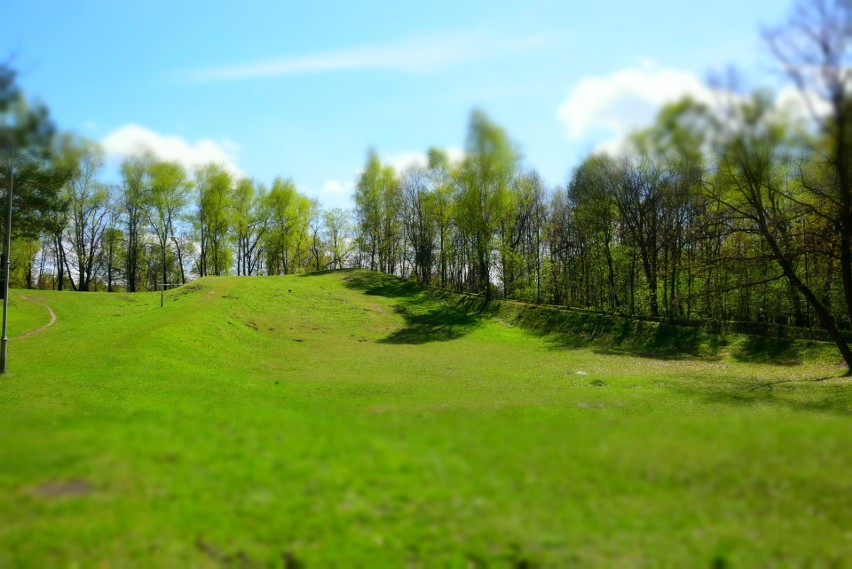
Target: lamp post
(163,292)
(8,261)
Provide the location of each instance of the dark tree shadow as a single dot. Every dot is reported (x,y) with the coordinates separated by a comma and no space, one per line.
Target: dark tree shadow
(662,341)
(777,351)
(438,315)
(428,317)
(815,395)
(380,284)
(431,325)
(611,334)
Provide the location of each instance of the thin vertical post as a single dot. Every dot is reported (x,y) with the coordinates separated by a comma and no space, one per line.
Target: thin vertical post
(8,261)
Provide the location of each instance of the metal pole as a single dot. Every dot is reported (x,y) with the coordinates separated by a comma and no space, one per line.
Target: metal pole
(163,292)
(8,262)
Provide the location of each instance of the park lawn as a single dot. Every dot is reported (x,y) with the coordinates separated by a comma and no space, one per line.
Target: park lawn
(24,315)
(350,419)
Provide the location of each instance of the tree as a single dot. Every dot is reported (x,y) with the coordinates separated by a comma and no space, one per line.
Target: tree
(483,180)
(113,241)
(133,207)
(815,51)
(316,243)
(595,213)
(368,208)
(165,198)
(337,224)
(522,223)
(287,247)
(27,172)
(89,210)
(417,220)
(249,223)
(440,176)
(214,194)
(755,181)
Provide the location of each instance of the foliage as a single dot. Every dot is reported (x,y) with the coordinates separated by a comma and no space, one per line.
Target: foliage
(26,144)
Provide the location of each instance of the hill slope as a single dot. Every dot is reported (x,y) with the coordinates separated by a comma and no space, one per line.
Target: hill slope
(351,419)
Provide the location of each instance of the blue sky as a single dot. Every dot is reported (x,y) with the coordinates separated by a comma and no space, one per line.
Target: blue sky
(303,89)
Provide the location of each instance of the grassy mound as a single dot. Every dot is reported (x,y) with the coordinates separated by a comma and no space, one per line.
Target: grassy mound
(352,419)
(611,334)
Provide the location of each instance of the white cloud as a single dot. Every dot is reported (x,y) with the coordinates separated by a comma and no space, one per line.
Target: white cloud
(403,160)
(608,109)
(416,55)
(133,140)
(798,106)
(627,99)
(614,146)
(335,187)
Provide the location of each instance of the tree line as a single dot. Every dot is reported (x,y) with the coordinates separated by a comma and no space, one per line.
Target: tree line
(163,224)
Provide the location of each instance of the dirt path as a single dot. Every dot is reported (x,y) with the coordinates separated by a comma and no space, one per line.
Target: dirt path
(49,309)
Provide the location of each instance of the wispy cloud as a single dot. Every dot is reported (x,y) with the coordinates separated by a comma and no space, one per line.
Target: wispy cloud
(416,55)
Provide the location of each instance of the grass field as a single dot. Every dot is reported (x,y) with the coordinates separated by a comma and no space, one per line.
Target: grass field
(348,419)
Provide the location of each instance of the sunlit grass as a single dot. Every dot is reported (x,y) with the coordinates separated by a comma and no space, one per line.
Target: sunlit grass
(351,419)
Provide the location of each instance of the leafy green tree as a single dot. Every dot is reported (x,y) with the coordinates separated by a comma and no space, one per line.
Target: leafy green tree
(287,247)
(133,207)
(214,187)
(26,168)
(483,182)
(317,246)
(442,205)
(527,238)
(89,211)
(596,215)
(112,252)
(815,50)
(338,228)
(250,220)
(164,200)
(418,220)
(368,208)
(755,182)
(24,254)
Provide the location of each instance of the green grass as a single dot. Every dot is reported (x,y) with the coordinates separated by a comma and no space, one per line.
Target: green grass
(351,419)
(25,316)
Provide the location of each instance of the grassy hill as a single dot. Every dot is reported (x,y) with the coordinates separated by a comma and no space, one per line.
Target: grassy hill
(351,419)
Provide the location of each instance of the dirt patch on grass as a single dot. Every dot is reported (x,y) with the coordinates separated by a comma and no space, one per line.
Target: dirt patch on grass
(49,310)
(376,308)
(62,488)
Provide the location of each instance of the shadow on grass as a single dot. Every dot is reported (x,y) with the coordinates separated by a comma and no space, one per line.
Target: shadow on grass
(373,283)
(436,324)
(814,395)
(433,315)
(427,317)
(664,342)
(611,334)
(777,351)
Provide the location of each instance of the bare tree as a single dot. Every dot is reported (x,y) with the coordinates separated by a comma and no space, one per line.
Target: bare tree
(88,212)
(815,51)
